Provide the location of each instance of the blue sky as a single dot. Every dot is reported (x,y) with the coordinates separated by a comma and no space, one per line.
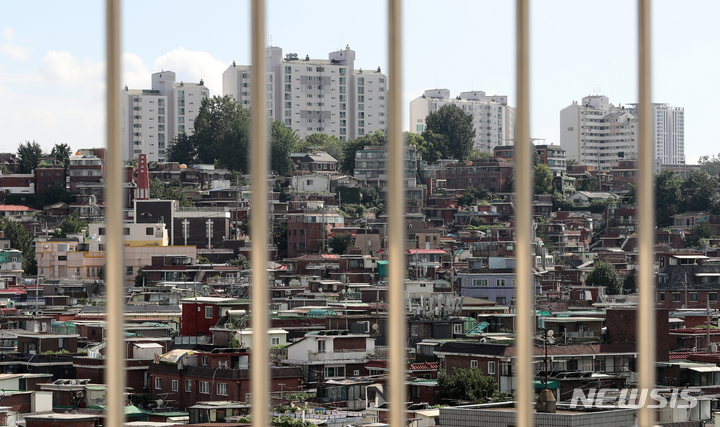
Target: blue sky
(52,55)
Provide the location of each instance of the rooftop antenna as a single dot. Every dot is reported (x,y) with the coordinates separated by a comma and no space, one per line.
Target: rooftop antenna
(162,60)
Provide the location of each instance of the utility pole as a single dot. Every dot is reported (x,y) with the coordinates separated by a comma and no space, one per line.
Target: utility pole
(209,231)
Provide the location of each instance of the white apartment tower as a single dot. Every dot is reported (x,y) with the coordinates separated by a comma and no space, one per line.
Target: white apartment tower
(669,133)
(317,95)
(597,133)
(493,119)
(153,118)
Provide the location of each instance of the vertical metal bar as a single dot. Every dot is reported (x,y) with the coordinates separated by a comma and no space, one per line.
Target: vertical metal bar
(646,228)
(260,369)
(523,219)
(396,219)
(115,362)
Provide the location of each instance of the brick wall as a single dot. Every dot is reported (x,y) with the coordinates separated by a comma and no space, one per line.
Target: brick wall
(354,343)
(622,327)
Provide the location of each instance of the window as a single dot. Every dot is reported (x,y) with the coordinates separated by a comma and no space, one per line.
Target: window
(188,386)
(414,330)
(274,341)
(148,231)
(491,368)
(203,361)
(480,282)
(128,270)
(693,296)
(204,387)
(158,383)
(458,328)
(334,371)
(662,296)
(676,296)
(174,385)
(222,389)
(473,363)
(501,282)
(208,312)
(712,296)
(321,346)
(126,231)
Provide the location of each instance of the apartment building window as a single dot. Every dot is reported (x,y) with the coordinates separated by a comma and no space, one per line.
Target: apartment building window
(188,386)
(480,282)
(274,341)
(662,296)
(491,368)
(158,383)
(676,296)
(334,371)
(473,363)
(712,296)
(501,282)
(204,387)
(693,296)
(174,385)
(209,312)
(222,389)
(128,270)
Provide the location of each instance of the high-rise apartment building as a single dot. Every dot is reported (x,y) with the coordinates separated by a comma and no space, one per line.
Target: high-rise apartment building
(317,95)
(669,133)
(153,118)
(493,119)
(597,133)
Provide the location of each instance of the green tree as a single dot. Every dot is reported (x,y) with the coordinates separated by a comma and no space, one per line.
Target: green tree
(282,143)
(473,195)
(630,196)
(236,142)
(571,162)
(215,117)
(456,128)
(241,261)
(56,192)
(376,138)
(71,224)
(22,240)
(202,260)
(61,153)
(183,150)
(427,149)
(710,164)
(468,385)
(700,191)
(604,274)
(322,142)
(141,278)
(340,242)
(174,191)
(630,282)
(29,153)
(542,179)
(667,196)
(699,235)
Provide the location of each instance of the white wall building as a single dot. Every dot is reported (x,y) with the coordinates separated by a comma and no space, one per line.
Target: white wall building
(317,95)
(597,133)
(153,118)
(669,133)
(493,119)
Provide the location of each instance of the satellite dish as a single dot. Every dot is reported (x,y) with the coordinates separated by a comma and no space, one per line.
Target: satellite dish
(550,338)
(159,402)
(375,327)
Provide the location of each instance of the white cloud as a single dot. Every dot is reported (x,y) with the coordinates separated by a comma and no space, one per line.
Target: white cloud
(8,33)
(18,53)
(191,66)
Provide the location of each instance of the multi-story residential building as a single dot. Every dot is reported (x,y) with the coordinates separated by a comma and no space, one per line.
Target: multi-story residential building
(493,119)
(87,166)
(598,133)
(153,118)
(317,95)
(669,133)
(491,174)
(309,224)
(548,154)
(371,168)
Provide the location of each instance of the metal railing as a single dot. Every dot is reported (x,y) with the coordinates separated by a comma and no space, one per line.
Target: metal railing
(260,371)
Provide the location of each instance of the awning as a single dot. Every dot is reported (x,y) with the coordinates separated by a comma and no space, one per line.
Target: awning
(705,368)
(539,384)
